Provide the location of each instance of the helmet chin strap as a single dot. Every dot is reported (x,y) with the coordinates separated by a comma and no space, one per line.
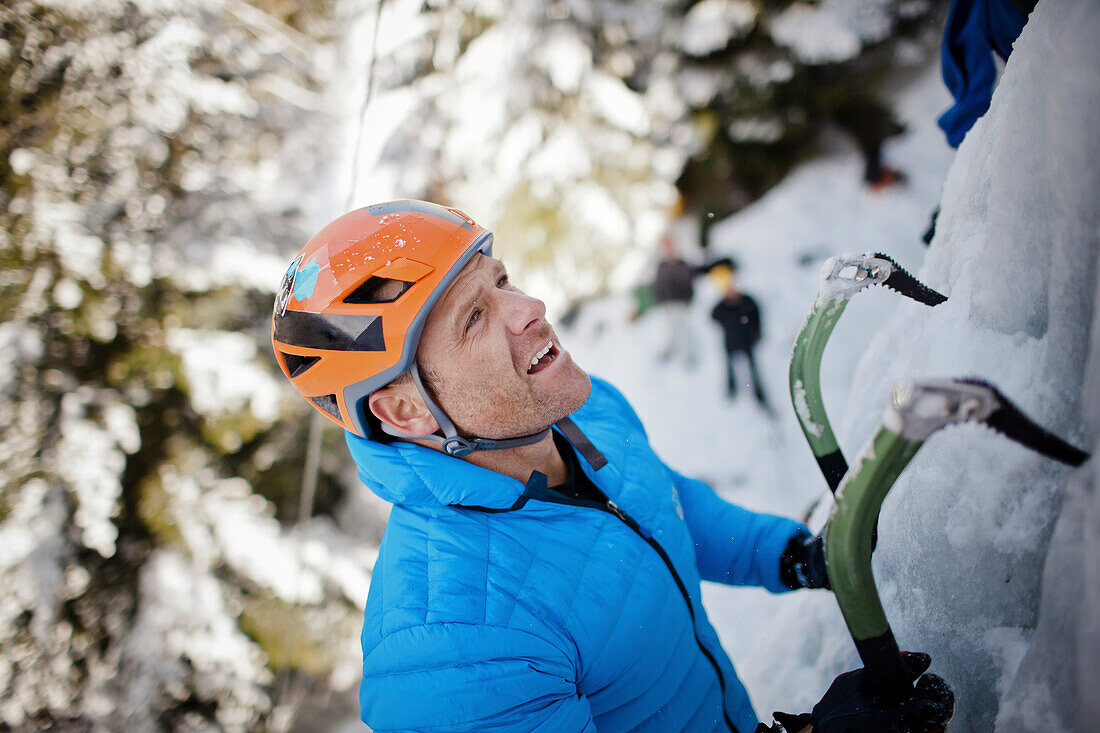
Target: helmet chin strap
(453,443)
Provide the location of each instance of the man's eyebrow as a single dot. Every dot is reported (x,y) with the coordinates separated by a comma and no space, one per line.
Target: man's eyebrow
(468,294)
(496,268)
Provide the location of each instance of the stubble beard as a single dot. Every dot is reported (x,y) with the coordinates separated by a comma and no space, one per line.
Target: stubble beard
(513,416)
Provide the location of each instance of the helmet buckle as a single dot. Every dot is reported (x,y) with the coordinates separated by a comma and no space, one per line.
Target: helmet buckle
(457,447)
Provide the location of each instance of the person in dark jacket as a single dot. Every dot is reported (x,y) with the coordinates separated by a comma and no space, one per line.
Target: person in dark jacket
(673,289)
(739,316)
(541,567)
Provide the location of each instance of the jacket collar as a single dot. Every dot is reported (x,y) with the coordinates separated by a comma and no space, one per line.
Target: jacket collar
(411,475)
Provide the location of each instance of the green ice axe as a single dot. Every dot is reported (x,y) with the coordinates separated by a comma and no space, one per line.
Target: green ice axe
(916,411)
(841,278)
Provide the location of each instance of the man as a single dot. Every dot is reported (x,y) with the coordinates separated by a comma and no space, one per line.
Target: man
(739,316)
(673,288)
(541,566)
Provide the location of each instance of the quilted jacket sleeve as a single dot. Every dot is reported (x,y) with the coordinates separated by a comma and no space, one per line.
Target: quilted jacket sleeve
(733,545)
(456,677)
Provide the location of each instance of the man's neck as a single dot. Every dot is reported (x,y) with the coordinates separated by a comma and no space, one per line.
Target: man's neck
(518,463)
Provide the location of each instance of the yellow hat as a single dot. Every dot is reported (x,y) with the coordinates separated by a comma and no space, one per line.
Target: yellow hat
(722,276)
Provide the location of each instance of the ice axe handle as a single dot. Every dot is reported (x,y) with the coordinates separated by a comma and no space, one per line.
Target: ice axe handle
(833,467)
(885,666)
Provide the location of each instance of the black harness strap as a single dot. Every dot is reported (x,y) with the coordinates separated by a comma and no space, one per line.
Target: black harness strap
(581,443)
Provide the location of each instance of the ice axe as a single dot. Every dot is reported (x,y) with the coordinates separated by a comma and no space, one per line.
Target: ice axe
(916,411)
(841,278)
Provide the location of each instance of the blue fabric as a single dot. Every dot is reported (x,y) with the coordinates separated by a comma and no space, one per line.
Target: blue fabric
(975,29)
(489,611)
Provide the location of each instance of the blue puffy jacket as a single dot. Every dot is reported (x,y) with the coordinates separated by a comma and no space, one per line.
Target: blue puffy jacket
(496,606)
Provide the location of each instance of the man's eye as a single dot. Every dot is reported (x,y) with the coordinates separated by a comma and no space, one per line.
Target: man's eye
(502,282)
(474,317)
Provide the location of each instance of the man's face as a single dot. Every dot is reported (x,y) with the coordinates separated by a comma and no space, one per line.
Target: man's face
(494,363)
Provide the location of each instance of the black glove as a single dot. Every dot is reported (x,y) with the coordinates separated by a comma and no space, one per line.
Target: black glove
(851,706)
(803,562)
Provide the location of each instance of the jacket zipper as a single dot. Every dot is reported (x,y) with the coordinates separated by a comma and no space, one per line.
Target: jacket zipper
(615,510)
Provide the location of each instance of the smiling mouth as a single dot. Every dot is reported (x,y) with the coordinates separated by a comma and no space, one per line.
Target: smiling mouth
(544,358)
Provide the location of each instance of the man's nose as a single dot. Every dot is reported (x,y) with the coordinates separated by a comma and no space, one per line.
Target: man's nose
(522,311)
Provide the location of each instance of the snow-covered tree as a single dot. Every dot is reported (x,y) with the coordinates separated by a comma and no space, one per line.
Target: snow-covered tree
(582,128)
(150,578)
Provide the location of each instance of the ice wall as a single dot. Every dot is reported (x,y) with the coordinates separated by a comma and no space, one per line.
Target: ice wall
(966,562)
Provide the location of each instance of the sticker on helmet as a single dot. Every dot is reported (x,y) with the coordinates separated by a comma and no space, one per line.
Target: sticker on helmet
(286,287)
(306,280)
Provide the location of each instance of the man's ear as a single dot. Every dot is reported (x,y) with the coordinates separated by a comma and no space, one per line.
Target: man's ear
(401,407)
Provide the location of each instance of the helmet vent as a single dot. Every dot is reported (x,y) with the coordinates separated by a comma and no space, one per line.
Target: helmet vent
(295,364)
(377,290)
(327,403)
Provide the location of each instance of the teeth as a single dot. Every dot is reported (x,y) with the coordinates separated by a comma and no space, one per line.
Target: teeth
(544,352)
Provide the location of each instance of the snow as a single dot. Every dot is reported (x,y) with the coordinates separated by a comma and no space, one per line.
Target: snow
(20,345)
(81,253)
(224,522)
(92,457)
(145,95)
(222,371)
(761,73)
(831,31)
(185,635)
(21,161)
(31,560)
(566,59)
(816,35)
(962,564)
(756,129)
(591,205)
(613,101)
(239,262)
(802,409)
(710,25)
(563,158)
(699,86)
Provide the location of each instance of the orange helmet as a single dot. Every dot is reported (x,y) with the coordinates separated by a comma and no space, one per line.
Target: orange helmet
(352,304)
